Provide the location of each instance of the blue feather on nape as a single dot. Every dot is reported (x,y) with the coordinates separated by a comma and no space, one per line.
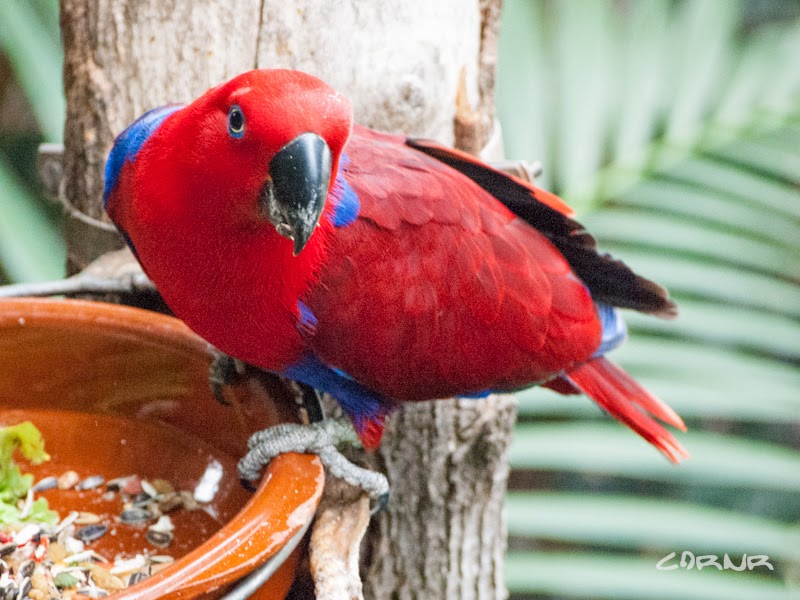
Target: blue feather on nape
(615,332)
(130,141)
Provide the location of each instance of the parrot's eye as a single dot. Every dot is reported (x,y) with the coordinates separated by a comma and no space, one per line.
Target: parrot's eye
(236,122)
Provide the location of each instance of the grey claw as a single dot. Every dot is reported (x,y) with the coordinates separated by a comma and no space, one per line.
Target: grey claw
(320,439)
(248,485)
(381,503)
(373,483)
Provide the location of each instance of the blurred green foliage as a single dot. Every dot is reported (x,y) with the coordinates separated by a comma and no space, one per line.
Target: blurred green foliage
(674,128)
(31,247)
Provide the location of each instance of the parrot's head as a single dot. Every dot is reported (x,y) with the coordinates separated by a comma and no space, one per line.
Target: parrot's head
(268,143)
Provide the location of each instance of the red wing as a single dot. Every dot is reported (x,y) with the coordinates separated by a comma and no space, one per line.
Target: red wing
(447,290)
(487,177)
(609,280)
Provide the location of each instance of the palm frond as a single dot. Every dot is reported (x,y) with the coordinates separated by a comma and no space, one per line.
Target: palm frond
(677,136)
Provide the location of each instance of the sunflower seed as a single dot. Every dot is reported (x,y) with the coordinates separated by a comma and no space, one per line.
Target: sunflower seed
(91,482)
(7,548)
(48,483)
(162,539)
(26,567)
(90,533)
(92,592)
(24,588)
(135,516)
(141,499)
(136,577)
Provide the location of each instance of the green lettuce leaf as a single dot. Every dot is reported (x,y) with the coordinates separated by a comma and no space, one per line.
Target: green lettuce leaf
(14,485)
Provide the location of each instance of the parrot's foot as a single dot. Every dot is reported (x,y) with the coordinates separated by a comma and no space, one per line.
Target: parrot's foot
(224,370)
(317,438)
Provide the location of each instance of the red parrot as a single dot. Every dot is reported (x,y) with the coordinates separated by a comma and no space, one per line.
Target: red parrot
(376,268)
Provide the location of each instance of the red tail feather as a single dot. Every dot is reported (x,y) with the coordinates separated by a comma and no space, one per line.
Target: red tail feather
(371,433)
(618,393)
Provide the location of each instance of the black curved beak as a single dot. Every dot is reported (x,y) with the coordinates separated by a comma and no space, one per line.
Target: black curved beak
(294,196)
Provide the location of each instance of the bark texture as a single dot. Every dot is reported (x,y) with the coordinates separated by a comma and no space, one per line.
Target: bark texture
(444,534)
(424,68)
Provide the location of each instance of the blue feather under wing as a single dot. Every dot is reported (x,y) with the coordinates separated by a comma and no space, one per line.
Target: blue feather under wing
(347,204)
(307,321)
(615,332)
(362,404)
(479,395)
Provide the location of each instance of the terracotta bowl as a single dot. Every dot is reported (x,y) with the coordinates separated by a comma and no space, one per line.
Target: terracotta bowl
(119,391)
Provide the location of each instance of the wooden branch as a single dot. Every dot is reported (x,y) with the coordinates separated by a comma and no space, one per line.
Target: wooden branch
(113,273)
(473,124)
(342,520)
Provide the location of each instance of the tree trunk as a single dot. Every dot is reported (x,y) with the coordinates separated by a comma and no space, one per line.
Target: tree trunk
(444,533)
(424,68)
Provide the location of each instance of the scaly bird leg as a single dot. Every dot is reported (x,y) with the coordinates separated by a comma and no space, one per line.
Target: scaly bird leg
(321,439)
(320,436)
